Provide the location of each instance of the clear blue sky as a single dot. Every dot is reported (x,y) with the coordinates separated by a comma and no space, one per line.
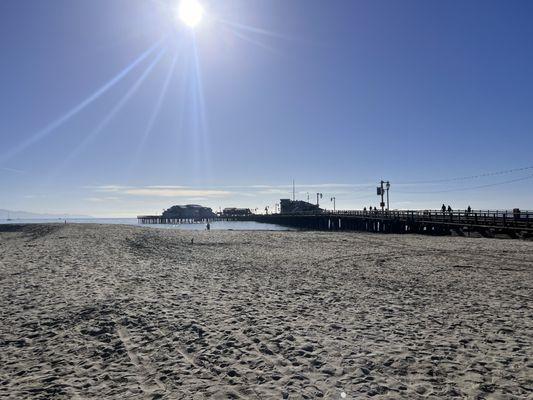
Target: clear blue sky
(113,108)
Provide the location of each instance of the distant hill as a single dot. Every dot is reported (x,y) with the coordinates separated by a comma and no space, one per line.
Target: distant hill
(4,214)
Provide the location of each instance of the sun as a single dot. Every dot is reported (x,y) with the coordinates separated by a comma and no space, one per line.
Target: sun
(190,12)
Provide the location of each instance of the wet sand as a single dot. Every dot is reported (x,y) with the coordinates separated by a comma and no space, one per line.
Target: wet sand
(115,312)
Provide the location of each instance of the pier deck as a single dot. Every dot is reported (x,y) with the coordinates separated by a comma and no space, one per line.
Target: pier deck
(487,223)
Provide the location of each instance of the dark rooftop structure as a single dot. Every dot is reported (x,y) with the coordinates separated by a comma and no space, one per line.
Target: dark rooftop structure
(232,211)
(189,211)
(288,206)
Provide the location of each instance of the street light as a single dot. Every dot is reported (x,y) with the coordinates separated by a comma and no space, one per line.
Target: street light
(388,187)
(333,200)
(317,202)
(381,192)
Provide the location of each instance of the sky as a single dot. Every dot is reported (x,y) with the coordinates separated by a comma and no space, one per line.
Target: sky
(115,108)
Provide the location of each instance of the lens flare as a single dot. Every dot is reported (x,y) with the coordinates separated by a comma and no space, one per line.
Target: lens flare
(77,109)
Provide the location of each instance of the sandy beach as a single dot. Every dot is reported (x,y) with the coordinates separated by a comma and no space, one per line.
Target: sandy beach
(115,312)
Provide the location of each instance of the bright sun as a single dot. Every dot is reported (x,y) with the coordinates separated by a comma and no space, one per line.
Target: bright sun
(190,12)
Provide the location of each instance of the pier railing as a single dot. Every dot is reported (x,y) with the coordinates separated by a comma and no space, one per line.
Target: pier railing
(488,222)
(473,217)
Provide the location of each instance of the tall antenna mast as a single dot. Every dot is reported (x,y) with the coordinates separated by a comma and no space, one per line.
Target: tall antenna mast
(293,192)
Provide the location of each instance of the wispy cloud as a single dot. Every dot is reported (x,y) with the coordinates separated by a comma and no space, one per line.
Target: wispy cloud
(158,191)
(107,188)
(273,191)
(223,191)
(102,199)
(153,192)
(304,186)
(167,187)
(17,171)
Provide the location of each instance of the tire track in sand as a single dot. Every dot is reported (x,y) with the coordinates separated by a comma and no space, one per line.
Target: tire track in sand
(145,373)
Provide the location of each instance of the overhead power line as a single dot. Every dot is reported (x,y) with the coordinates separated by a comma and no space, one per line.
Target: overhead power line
(463,178)
(471,187)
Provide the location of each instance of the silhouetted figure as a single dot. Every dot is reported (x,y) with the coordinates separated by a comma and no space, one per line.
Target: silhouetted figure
(192,241)
(469,210)
(208,226)
(375,209)
(364,209)
(449,209)
(443,208)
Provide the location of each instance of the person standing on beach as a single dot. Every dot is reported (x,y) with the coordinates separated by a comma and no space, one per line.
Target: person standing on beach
(208,226)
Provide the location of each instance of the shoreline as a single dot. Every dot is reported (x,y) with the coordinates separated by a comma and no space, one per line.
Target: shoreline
(281,228)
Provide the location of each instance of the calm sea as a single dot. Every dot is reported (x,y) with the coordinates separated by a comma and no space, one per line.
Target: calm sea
(219,225)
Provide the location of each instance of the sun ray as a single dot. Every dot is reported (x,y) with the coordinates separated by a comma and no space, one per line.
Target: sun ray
(199,101)
(250,40)
(263,32)
(157,108)
(80,107)
(254,30)
(95,132)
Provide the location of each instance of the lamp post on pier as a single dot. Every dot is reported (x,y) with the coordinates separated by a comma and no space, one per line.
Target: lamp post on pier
(381,192)
(388,187)
(333,200)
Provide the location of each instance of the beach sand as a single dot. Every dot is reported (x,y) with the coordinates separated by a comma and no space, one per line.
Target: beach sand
(115,312)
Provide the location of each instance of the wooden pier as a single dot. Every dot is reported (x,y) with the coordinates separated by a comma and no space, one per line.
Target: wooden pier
(158,219)
(487,223)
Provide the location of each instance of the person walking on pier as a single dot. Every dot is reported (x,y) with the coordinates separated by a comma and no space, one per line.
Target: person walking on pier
(449,209)
(443,208)
(468,210)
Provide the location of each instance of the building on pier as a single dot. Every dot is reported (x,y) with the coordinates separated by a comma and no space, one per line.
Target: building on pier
(288,206)
(232,211)
(189,211)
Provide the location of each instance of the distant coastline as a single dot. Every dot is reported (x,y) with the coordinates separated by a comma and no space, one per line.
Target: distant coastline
(17,214)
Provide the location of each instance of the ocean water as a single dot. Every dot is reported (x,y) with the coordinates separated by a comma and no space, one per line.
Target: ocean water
(218,225)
